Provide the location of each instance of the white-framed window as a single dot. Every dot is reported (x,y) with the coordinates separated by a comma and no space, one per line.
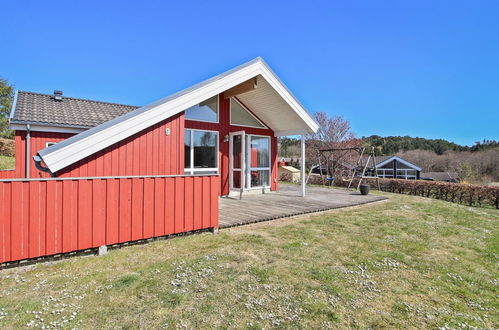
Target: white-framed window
(204,111)
(48,144)
(240,116)
(200,151)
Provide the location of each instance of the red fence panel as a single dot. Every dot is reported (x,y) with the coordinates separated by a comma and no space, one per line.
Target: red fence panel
(43,217)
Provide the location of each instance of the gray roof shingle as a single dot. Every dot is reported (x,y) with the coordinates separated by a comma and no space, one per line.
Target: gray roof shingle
(42,109)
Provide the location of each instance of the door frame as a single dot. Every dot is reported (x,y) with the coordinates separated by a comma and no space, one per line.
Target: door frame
(243,161)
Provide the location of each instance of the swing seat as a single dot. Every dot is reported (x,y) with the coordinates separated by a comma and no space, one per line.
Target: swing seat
(330,181)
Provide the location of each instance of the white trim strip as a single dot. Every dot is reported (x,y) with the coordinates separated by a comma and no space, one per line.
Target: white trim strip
(105,177)
(49,129)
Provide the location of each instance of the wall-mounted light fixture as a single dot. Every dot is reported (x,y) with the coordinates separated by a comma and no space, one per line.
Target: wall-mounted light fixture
(226,138)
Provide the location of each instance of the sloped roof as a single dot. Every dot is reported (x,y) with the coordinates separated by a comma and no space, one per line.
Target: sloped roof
(43,109)
(271,101)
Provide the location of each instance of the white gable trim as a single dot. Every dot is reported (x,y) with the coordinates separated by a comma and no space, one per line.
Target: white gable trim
(403,161)
(67,152)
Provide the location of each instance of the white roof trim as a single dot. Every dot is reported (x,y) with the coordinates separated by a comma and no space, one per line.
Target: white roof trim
(403,161)
(71,150)
(47,128)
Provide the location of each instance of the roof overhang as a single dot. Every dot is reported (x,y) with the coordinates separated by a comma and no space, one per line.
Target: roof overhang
(271,101)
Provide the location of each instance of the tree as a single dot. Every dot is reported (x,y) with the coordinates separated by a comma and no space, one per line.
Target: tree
(333,132)
(6,98)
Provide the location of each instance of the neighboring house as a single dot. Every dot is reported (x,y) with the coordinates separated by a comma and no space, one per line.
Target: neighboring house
(440,176)
(227,125)
(387,166)
(396,167)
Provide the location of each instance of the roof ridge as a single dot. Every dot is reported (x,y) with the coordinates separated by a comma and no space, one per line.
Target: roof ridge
(80,99)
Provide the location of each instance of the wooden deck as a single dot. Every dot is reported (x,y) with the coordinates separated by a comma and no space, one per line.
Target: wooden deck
(286,202)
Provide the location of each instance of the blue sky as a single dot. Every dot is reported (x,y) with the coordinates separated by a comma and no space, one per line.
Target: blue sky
(418,68)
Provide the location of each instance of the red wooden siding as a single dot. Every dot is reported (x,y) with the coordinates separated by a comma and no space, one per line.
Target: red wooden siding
(224,128)
(47,217)
(38,141)
(149,152)
(8,174)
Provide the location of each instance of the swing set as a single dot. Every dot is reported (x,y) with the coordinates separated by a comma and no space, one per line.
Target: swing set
(360,170)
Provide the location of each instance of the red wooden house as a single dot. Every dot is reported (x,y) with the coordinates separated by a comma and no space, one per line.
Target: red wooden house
(225,127)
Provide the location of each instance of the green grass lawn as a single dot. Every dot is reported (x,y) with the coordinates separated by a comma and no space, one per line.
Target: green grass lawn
(407,262)
(7,163)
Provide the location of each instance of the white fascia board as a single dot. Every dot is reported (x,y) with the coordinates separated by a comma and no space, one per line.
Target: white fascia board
(101,139)
(403,161)
(49,129)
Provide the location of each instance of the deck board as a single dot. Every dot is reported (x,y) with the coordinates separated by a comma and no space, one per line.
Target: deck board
(286,202)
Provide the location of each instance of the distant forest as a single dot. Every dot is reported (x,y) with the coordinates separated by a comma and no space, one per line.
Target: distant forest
(476,164)
(390,145)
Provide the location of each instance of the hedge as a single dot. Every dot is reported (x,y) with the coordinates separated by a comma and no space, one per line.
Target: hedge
(469,194)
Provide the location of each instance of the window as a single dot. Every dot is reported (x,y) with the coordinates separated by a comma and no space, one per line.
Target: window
(204,111)
(259,161)
(201,151)
(240,116)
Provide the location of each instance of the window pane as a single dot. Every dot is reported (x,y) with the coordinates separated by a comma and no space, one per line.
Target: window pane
(240,116)
(260,178)
(205,149)
(401,165)
(187,148)
(236,151)
(204,111)
(260,152)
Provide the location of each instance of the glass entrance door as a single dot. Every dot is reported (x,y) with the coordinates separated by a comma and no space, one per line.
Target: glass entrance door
(249,160)
(237,160)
